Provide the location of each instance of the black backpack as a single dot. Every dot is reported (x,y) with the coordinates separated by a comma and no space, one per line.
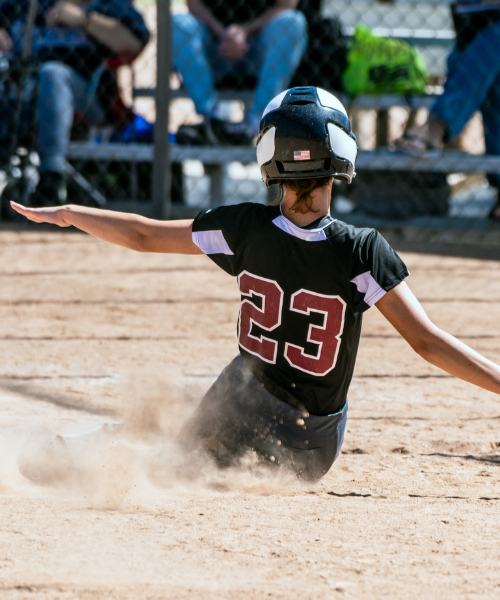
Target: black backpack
(326,56)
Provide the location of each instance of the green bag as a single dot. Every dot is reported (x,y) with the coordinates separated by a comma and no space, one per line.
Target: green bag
(377,65)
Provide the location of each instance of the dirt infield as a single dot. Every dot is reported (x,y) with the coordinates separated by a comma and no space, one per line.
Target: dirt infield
(92,333)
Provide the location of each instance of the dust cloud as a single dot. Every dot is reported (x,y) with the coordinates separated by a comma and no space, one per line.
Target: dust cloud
(133,461)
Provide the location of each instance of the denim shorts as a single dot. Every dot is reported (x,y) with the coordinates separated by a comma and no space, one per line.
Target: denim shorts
(238,414)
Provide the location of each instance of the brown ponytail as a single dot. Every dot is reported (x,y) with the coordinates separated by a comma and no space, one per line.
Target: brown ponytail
(303,188)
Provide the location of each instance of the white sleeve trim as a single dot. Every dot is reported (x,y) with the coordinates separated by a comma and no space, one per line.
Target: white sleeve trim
(371,300)
(212,242)
(367,285)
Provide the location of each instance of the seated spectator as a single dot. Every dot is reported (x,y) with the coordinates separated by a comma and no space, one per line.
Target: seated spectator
(240,38)
(72,40)
(472,84)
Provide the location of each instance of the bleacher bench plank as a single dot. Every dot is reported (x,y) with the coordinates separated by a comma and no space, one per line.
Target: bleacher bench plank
(107,152)
(145,152)
(374,102)
(444,162)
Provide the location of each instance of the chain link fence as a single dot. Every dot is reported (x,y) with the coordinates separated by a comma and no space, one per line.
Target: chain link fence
(421,180)
(420,80)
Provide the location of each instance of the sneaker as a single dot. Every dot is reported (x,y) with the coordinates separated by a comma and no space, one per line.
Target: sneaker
(215,132)
(231,134)
(494,214)
(193,135)
(100,433)
(50,191)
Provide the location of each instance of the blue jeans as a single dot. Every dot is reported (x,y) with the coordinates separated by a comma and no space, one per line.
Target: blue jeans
(273,57)
(473,84)
(238,414)
(62,92)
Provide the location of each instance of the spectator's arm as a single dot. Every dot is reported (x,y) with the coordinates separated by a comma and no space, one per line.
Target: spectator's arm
(199,10)
(106,30)
(254,27)
(5,41)
(113,34)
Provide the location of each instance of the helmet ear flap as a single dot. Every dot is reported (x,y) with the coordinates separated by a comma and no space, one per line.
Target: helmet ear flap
(266,150)
(342,144)
(266,146)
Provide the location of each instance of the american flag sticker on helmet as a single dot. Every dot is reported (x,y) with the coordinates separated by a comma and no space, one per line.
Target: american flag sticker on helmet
(301,155)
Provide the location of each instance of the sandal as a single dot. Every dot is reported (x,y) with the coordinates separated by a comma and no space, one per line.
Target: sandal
(426,145)
(494,214)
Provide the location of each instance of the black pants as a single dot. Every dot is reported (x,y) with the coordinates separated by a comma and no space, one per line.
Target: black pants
(238,414)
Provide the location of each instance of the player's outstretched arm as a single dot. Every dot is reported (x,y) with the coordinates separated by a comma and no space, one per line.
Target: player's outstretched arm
(405,313)
(124,229)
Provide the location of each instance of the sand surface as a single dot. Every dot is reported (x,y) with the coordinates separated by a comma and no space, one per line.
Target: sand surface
(91,333)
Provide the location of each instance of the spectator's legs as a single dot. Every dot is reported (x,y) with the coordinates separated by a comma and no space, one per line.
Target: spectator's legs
(274,55)
(62,91)
(191,42)
(281,46)
(491,123)
(474,83)
(471,73)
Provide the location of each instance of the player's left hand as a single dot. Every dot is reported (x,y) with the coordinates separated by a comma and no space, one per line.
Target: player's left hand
(51,214)
(65,13)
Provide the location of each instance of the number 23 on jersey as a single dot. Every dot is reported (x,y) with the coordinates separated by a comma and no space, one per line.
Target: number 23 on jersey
(326,337)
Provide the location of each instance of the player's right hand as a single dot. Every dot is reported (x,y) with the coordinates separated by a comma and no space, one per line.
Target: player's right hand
(50,214)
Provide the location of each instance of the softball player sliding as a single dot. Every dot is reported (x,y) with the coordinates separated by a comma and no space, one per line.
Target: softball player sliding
(305,281)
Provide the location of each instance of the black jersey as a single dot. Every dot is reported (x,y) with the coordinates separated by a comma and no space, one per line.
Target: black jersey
(303,294)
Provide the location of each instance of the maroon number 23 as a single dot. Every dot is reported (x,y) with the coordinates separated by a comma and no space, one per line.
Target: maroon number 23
(325,336)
